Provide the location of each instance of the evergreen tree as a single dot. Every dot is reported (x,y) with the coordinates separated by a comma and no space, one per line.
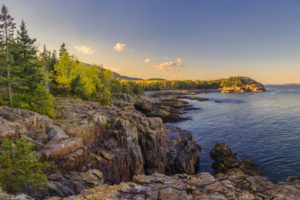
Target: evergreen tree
(20,167)
(42,101)
(62,49)
(25,56)
(77,88)
(7,27)
(28,76)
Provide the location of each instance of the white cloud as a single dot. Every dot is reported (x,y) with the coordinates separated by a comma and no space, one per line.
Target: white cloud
(119,47)
(147,60)
(170,65)
(179,61)
(84,49)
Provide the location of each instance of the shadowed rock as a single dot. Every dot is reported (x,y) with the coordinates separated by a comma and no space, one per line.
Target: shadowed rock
(225,160)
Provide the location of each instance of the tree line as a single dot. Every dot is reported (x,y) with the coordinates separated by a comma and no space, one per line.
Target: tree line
(29,79)
(161,84)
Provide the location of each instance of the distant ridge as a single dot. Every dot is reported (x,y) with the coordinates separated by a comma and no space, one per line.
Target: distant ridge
(117,75)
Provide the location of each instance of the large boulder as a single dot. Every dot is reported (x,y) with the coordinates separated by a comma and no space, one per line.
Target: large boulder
(184,153)
(225,160)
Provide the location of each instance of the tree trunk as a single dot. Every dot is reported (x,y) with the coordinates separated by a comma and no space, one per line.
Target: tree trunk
(7,65)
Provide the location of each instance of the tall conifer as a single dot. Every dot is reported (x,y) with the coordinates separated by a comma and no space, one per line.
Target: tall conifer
(7,27)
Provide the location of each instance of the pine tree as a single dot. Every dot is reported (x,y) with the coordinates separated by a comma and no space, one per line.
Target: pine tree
(20,167)
(28,86)
(42,101)
(7,27)
(62,49)
(77,88)
(25,57)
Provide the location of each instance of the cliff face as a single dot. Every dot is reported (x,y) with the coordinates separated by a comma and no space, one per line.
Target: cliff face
(117,141)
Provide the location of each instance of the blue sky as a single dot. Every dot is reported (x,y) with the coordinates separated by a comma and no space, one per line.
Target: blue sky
(173,39)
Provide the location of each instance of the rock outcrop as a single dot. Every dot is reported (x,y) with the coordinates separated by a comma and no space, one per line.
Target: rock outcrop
(183,153)
(225,160)
(86,136)
(167,108)
(249,85)
(234,185)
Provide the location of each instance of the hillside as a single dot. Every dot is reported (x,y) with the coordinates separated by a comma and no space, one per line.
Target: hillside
(117,75)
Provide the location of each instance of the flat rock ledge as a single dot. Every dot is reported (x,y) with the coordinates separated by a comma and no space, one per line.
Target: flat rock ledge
(235,185)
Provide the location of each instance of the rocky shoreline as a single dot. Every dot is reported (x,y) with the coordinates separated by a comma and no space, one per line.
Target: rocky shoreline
(89,144)
(125,151)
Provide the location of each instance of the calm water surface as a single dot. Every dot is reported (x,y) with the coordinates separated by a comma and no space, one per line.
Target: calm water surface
(264,127)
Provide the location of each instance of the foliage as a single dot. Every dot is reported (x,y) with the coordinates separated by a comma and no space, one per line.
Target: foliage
(20,167)
(77,88)
(22,74)
(233,81)
(156,84)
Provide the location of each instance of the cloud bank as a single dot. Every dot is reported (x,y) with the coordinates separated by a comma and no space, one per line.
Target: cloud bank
(119,47)
(170,65)
(84,49)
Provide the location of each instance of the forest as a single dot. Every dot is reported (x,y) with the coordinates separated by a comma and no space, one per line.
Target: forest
(162,84)
(29,78)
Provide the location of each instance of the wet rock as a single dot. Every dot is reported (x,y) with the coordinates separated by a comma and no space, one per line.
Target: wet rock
(250,168)
(184,153)
(225,160)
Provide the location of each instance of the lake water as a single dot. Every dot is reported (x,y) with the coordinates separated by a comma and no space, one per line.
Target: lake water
(264,127)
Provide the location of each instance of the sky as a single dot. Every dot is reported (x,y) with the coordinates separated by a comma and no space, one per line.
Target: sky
(173,39)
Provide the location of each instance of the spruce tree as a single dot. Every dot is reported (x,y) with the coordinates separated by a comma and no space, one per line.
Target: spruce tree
(62,49)
(25,57)
(29,88)
(20,167)
(7,27)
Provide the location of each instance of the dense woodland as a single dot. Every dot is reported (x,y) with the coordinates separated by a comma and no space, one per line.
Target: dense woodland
(29,79)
